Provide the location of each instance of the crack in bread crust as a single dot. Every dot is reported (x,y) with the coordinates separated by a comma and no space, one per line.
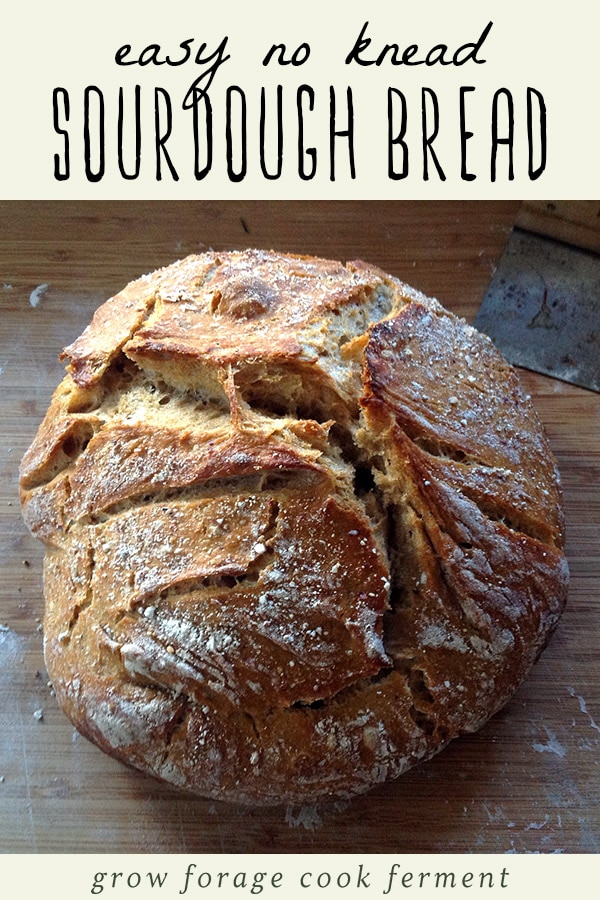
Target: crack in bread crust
(303,527)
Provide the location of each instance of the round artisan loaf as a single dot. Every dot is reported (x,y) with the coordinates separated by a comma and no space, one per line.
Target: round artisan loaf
(302,525)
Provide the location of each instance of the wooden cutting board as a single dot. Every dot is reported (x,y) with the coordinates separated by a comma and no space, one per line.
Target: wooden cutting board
(528,782)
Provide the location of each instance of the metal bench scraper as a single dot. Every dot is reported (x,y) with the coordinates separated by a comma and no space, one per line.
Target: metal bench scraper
(542,308)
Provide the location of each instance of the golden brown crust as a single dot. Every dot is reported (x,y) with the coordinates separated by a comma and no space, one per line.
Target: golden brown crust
(303,527)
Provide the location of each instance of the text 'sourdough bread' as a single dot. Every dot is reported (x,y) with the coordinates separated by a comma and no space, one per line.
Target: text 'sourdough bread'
(302,526)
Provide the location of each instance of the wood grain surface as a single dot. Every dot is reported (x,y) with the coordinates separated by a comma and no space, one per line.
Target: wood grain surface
(575,222)
(528,782)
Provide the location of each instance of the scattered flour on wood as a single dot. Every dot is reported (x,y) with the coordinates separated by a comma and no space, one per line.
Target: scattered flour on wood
(306,816)
(38,293)
(553,745)
(584,709)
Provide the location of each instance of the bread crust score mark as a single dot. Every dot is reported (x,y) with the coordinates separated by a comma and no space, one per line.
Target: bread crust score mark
(302,527)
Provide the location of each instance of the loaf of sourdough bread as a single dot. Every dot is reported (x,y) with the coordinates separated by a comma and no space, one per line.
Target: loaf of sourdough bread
(302,527)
